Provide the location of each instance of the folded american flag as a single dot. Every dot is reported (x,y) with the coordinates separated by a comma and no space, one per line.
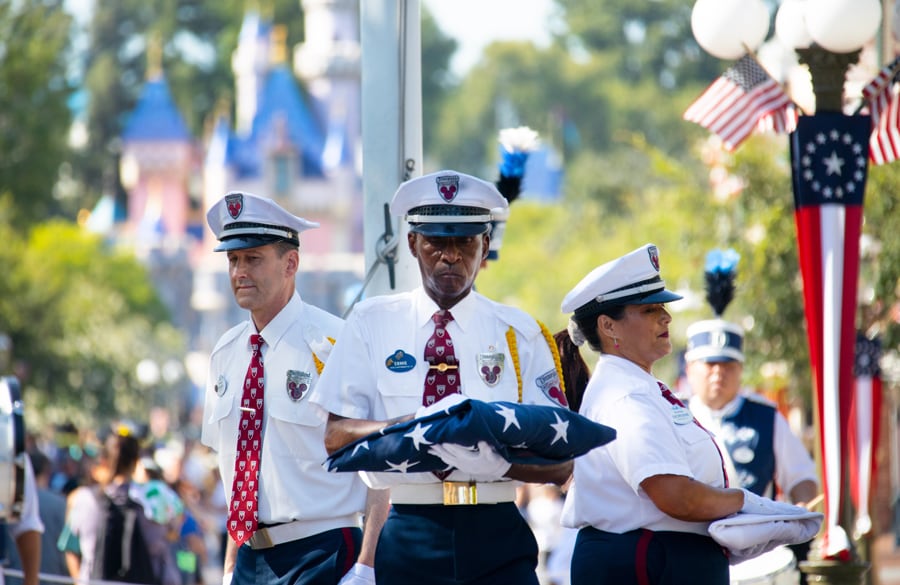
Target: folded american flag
(521,433)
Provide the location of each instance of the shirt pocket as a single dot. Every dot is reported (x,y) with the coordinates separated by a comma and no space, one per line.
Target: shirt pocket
(702,454)
(294,428)
(401,392)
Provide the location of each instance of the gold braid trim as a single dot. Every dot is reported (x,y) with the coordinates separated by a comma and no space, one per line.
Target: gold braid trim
(514,352)
(319,365)
(554,350)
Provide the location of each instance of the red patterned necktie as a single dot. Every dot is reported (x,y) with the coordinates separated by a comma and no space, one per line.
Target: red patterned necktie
(668,395)
(243,515)
(442,378)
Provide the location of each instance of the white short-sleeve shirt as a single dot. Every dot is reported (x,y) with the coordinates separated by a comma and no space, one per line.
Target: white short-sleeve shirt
(653,437)
(377,368)
(293,483)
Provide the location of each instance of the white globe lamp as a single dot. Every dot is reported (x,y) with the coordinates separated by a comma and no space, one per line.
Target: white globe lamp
(728,29)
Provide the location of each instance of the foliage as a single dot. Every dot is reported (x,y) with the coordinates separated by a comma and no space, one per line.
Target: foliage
(34,117)
(880,262)
(81,316)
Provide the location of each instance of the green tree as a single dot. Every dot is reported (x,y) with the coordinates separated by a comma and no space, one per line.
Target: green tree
(34,117)
(81,316)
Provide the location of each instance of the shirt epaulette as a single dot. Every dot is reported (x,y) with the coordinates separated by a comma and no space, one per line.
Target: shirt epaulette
(759,399)
(524,324)
(230,336)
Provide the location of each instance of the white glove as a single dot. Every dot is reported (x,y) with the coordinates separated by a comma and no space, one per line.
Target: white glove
(226,578)
(359,574)
(754,504)
(482,462)
(441,405)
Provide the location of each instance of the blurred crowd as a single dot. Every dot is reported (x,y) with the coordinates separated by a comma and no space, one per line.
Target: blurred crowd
(178,485)
(184,492)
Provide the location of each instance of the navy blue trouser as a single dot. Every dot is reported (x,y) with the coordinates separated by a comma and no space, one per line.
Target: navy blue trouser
(321,559)
(487,544)
(644,557)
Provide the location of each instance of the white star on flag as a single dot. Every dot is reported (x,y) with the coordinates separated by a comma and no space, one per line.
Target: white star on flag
(529,434)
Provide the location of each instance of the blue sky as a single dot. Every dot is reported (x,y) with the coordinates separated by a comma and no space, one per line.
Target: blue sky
(477,23)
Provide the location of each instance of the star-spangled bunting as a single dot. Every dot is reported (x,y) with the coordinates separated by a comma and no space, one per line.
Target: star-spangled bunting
(521,433)
(829,155)
(865,419)
(741,100)
(881,96)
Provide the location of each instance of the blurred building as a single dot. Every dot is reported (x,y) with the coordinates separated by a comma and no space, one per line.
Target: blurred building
(294,136)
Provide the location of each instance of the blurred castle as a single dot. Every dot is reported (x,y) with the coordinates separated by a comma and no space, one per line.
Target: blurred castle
(295,137)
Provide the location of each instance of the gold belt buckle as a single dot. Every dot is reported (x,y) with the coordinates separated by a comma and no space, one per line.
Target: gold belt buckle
(460,493)
(261,539)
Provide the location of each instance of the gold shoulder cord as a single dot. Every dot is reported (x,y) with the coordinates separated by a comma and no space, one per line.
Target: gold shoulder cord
(319,365)
(514,352)
(554,350)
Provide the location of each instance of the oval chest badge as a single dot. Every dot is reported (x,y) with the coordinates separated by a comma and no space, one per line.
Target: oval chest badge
(681,415)
(400,361)
(221,385)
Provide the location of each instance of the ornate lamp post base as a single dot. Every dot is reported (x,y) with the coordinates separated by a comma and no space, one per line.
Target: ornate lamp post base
(834,572)
(828,72)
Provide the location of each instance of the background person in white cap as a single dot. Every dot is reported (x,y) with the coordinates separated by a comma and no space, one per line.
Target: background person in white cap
(290,522)
(642,503)
(757,440)
(400,353)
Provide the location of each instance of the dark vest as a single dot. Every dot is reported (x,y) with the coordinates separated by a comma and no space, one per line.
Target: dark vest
(749,442)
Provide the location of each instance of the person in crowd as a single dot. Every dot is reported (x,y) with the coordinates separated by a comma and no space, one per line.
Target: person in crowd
(25,529)
(401,354)
(754,437)
(112,474)
(290,521)
(643,502)
(52,511)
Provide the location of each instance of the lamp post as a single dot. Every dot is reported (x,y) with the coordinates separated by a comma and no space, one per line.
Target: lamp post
(828,180)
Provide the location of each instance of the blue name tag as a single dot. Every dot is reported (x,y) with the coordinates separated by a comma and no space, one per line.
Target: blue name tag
(400,361)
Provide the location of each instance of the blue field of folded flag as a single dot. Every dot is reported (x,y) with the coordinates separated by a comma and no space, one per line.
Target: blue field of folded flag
(521,433)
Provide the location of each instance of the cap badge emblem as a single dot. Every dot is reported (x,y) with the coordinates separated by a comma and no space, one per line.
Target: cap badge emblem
(654,257)
(448,187)
(297,384)
(235,204)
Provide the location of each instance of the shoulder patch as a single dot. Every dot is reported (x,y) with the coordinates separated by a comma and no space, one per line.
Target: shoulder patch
(549,383)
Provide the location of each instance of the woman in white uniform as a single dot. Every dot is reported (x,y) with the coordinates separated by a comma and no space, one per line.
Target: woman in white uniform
(642,503)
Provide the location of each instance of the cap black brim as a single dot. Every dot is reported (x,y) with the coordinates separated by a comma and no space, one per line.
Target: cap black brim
(663,296)
(449,230)
(244,242)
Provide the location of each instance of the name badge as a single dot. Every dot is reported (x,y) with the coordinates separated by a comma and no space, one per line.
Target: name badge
(681,415)
(400,361)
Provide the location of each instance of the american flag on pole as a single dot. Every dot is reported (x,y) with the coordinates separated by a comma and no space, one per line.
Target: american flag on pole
(865,416)
(829,157)
(743,99)
(881,95)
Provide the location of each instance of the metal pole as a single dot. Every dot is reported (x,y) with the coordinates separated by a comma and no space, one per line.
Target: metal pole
(391,132)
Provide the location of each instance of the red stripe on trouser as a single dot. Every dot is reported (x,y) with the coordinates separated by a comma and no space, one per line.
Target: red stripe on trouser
(351,550)
(640,557)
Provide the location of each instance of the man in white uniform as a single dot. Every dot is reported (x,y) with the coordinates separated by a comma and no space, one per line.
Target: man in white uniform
(406,352)
(754,436)
(290,522)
